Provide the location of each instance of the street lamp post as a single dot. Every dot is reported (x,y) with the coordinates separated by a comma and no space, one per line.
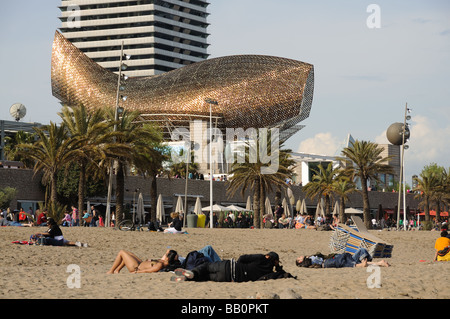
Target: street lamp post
(402,183)
(210,102)
(398,134)
(122,67)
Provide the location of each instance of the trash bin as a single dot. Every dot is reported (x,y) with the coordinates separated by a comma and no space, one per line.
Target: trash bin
(192,220)
(201,220)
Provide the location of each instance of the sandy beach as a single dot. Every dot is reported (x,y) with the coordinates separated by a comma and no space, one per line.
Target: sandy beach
(36,272)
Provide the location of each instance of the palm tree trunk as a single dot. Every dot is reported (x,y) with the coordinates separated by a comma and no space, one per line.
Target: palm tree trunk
(81,187)
(342,217)
(256,204)
(54,189)
(438,211)
(120,187)
(427,209)
(366,204)
(327,205)
(262,197)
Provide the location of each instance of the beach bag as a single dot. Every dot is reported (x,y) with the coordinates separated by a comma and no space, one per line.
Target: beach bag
(280,274)
(194,259)
(444,251)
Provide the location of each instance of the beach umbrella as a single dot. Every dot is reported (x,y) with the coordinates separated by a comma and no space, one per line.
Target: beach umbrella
(140,208)
(336,208)
(198,207)
(303,209)
(289,193)
(298,206)
(268,207)
(353,211)
(179,206)
(160,209)
(291,197)
(248,206)
(235,208)
(216,208)
(285,206)
(319,210)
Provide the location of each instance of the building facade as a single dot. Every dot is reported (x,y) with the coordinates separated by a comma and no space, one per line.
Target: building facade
(160,35)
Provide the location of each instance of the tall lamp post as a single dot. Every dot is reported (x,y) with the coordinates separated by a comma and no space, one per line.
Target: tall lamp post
(118,109)
(398,134)
(210,102)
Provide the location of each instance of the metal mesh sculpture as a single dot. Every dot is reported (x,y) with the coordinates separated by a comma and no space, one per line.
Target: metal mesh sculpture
(252,90)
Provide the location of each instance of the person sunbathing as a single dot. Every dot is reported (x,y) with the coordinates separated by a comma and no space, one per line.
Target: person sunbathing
(361,258)
(136,265)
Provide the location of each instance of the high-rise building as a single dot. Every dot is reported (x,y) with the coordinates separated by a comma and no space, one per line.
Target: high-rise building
(160,35)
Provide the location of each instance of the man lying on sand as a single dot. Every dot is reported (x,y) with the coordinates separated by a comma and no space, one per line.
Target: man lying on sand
(361,258)
(246,268)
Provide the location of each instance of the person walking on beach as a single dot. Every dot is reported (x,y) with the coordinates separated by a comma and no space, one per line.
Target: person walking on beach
(75,216)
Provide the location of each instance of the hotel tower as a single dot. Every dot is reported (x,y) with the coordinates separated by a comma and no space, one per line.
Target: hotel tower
(160,35)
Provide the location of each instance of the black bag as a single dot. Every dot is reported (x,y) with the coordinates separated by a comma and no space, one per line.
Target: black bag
(280,274)
(444,251)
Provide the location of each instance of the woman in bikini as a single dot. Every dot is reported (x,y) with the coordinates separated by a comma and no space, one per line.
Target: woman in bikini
(136,265)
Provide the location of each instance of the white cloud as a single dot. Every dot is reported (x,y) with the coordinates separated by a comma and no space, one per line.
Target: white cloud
(321,144)
(429,143)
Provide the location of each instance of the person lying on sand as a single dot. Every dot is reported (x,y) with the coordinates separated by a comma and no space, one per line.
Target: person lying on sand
(361,258)
(135,264)
(170,261)
(246,268)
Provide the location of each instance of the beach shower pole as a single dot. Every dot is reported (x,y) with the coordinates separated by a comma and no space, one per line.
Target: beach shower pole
(210,102)
(122,67)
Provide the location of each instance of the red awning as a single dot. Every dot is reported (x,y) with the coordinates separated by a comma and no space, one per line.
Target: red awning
(433,213)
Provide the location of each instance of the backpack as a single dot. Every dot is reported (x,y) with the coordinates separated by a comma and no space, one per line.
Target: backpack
(193,259)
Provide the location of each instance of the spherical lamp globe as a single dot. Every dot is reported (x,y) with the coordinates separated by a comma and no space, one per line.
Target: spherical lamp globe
(394,133)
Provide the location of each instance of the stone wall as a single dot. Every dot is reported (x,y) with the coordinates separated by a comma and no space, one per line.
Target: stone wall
(30,189)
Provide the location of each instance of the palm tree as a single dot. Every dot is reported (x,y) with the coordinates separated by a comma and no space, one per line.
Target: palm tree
(138,137)
(252,175)
(364,160)
(149,161)
(322,184)
(342,188)
(13,154)
(89,132)
(180,167)
(50,153)
(428,184)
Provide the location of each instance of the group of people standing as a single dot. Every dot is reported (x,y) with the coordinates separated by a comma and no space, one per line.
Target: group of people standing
(88,219)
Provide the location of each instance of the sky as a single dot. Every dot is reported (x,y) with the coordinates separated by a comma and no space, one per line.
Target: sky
(371,59)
